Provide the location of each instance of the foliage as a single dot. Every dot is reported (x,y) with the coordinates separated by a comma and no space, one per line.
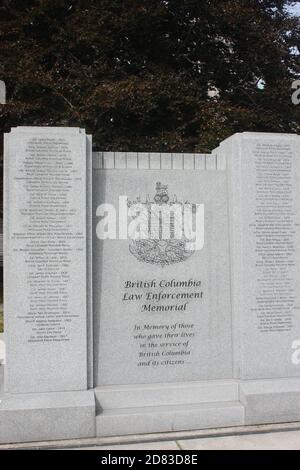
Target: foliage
(136,73)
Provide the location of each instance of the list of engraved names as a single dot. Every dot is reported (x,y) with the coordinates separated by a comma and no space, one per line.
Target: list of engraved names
(274,231)
(47,237)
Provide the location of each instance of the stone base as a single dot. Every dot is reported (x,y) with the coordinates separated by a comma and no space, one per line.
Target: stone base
(46,416)
(124,410)
(145,409)
(271,401)
(168,418)
(136,409)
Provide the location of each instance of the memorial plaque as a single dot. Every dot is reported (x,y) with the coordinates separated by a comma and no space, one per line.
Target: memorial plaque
(46,259)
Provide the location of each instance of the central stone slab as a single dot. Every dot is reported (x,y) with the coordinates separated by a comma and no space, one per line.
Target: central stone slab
(154,321)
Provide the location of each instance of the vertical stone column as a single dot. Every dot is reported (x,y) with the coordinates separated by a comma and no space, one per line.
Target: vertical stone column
(264,207)
(47,310)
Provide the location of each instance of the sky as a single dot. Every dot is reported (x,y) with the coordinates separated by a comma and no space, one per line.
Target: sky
(296,8)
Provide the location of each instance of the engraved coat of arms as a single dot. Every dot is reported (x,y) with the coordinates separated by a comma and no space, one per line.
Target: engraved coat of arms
(155,248)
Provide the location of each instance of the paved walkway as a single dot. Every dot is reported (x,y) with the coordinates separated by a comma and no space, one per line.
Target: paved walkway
(271,441)
(284,436)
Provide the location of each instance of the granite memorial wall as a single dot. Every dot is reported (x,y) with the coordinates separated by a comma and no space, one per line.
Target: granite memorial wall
(110,334)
